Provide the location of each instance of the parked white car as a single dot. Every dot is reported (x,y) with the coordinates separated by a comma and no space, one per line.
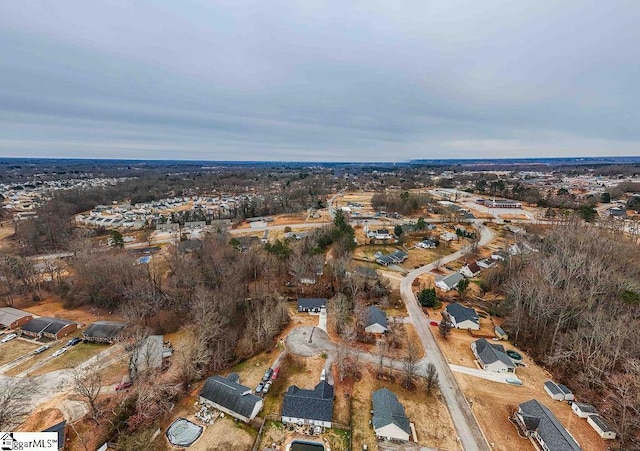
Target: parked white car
(8,338)
(59,352)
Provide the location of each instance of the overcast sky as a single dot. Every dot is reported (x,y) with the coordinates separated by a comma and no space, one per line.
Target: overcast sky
(319,80)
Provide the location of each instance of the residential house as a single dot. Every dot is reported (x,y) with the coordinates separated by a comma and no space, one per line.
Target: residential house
(195,225)
(553,391)
(543,427)
(499,255)
(492,357)
(463,317)
(449,282)
(470,270)
(583,410)
(448,236)
(500,333)
(227,395)
(389,420)
(60,429)
(486,263)
(426,244)
(171,227)
(601,427)
(617,212)
(376,321)
(380,234)
(312,407)
(52,328)
(312,305)
(103,332)
(398,256)
(12,318)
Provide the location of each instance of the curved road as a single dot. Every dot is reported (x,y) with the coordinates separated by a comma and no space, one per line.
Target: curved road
(469,432)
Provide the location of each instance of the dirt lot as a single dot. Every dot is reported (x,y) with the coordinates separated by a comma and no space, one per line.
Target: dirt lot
(13,349)
(428,413)
(224,434)
(493,402)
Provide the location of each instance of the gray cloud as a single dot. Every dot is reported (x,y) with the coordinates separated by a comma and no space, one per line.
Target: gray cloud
(319,80)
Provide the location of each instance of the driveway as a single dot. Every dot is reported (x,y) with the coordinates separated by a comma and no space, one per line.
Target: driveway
(469,432)
(482,374)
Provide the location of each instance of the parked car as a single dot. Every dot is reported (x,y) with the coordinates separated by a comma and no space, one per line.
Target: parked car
(259,388)
(8,338)
(434,323)
(123,385)
(74,341)
(267,374)
(276,373)
(59,352)
(266,388)
(41,349)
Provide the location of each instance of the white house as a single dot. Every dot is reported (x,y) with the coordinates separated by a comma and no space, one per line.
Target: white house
(463,317)
(389,419)
(470,270)
(553,391)
(492,357)
(568,395)
(449,282)
(583,410)
(542,426)
(376,321)
(380,234)
(448,236)
(426,244)
(601,427)
(486,263)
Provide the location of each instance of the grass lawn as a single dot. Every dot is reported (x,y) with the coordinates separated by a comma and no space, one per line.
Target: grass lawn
(73,357)
(14,349)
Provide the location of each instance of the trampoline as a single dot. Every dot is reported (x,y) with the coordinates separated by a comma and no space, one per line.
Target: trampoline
(183,432)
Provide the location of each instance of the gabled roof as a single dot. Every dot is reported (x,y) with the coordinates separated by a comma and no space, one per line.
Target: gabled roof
(45,325)
(586,408)
(564,389)
(461,313)
(312,303)
(104,329)
(473,267)
(60,430)
(553,388)
(9,314)
(316,404)
(452,279)
(489,353)
(550,430)
(388,410)
(228,393)
(375,316)
(603,425)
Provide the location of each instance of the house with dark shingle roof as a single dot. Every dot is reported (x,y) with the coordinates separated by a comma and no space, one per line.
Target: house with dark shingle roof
(376,321)
(103,331)
(601,427)
(583,410)
(312,407)
(492,357)
(59,429)
(463,317)
(389,419)
(53,328)
(553,391)
(227,395)
(311,305)
(542,426)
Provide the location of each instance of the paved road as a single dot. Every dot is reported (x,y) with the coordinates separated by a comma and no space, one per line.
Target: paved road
(469,432)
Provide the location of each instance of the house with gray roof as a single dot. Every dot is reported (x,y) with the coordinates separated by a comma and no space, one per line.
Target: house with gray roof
(312,305)
(389,419)
(492,357)
(52,328)
(12,318)
(103,331)
(583,410)
(463,317)
(542,426)
(449,282)
(376,321)
(227,395)
(312,407)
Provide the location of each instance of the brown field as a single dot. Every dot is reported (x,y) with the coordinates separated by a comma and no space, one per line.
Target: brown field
(51,305)
(14,349)
(224,435)
(428,413)
(70,359)
(493,402)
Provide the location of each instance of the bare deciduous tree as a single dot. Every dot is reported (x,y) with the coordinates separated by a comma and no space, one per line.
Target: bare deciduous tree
(87,383)
(432,379)
(15,395)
